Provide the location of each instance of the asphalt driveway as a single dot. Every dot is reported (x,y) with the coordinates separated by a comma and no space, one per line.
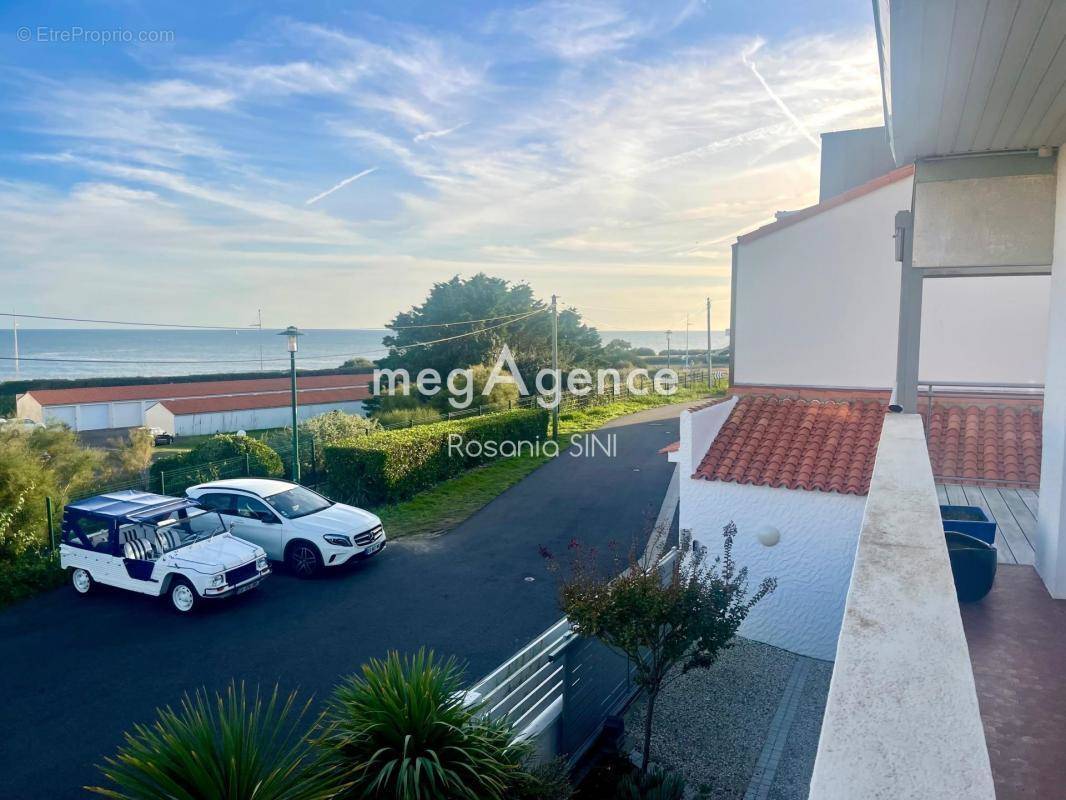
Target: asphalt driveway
(77,672)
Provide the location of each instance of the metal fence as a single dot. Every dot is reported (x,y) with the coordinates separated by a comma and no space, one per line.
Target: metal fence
(559,689)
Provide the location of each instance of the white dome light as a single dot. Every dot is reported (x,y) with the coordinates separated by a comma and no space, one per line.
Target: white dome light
(768,535)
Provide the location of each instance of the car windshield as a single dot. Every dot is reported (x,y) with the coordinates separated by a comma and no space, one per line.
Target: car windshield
(297,502)
(196,526)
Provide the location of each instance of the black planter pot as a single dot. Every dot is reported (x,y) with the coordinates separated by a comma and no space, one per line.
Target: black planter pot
(973,565)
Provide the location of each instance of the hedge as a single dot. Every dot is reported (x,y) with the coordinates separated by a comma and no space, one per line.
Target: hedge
(390,466)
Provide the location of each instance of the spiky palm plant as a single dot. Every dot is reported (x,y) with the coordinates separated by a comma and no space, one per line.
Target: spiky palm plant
(401,730)
(226,747)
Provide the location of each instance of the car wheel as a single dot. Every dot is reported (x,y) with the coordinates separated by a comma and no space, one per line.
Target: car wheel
(303,559)
(183,598)
(82,581)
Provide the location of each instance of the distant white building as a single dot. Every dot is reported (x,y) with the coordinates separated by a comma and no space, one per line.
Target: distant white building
(104,407)
(205,415)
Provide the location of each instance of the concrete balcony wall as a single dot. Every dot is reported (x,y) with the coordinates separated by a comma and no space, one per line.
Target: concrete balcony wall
(902,719)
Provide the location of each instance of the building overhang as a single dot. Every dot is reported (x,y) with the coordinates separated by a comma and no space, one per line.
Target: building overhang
(968,77)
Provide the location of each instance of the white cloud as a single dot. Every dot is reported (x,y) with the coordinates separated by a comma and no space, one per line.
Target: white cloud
(575,29)
(617,175)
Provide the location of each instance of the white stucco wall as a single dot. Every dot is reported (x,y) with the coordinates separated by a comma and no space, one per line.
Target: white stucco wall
(817,304)
(1051,519)
(698,430)
(812,562)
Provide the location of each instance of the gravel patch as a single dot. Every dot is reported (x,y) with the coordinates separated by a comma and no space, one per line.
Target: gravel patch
(711,725)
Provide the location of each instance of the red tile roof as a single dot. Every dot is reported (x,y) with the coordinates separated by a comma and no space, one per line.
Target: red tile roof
(846,197)
(242,402)
(1000,444)
(797,444)
(160,391)
(673,447)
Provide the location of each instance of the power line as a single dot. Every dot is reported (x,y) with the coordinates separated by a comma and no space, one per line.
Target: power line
(460,322)
(405,347)
(376,351)
(120,322)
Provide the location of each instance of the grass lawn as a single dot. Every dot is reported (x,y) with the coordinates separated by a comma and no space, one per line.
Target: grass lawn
(443,507)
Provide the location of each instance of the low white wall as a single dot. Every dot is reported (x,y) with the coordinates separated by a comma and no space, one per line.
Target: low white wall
(698,430)
(256,418)
(817,304)
(902,720)
(812,562)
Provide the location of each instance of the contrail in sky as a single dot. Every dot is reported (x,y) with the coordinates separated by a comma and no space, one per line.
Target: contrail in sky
(340,185)
(437,134)
(746,58)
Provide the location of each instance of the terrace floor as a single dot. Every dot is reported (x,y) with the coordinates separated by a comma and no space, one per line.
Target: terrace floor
(1018,649)
(1014,511)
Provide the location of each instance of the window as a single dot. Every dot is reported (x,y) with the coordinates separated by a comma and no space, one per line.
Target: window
(250,508)
(88,532)
(217,501)
(298,502)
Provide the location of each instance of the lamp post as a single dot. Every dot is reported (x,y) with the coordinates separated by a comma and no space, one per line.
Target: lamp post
(292,332)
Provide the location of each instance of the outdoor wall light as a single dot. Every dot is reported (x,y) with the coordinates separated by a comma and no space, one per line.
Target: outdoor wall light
(768,535)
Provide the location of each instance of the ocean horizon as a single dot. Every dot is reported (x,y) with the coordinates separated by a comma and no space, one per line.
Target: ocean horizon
(102,352)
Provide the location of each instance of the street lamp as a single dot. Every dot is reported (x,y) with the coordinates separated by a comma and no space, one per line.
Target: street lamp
(292,332)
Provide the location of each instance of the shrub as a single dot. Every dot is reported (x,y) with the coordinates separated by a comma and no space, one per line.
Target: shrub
(547,781)
(47,462)
(335,426)
(392,465)
(28,573)
(262,459)
(222,747)
(401,417)
(665,624)
(402,730)
(657,784)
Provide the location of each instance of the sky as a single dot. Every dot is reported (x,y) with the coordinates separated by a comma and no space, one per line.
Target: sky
(327,162)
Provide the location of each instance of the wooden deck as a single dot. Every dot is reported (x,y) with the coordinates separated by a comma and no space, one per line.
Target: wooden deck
(1014,511)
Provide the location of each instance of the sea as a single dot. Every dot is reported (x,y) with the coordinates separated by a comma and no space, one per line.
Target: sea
(97,352)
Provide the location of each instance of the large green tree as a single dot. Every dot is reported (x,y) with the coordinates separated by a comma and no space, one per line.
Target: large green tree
(482,297)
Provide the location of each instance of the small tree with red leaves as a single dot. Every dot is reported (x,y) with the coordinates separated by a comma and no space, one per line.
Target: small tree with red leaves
(666,620)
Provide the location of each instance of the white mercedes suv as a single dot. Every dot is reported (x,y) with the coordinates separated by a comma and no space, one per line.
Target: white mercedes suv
(292,523)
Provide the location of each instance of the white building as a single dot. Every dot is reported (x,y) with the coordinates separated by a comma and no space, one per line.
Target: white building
(800,468)
(816,302)
(206,415)
(105,407)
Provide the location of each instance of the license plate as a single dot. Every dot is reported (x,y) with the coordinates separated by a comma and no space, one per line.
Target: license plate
(246,587)
(374,548)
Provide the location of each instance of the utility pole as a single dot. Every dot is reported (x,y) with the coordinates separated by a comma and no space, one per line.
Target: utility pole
(686,340)
(710,359)
(668,349)
(555,367)
(291,333)
(15,330)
